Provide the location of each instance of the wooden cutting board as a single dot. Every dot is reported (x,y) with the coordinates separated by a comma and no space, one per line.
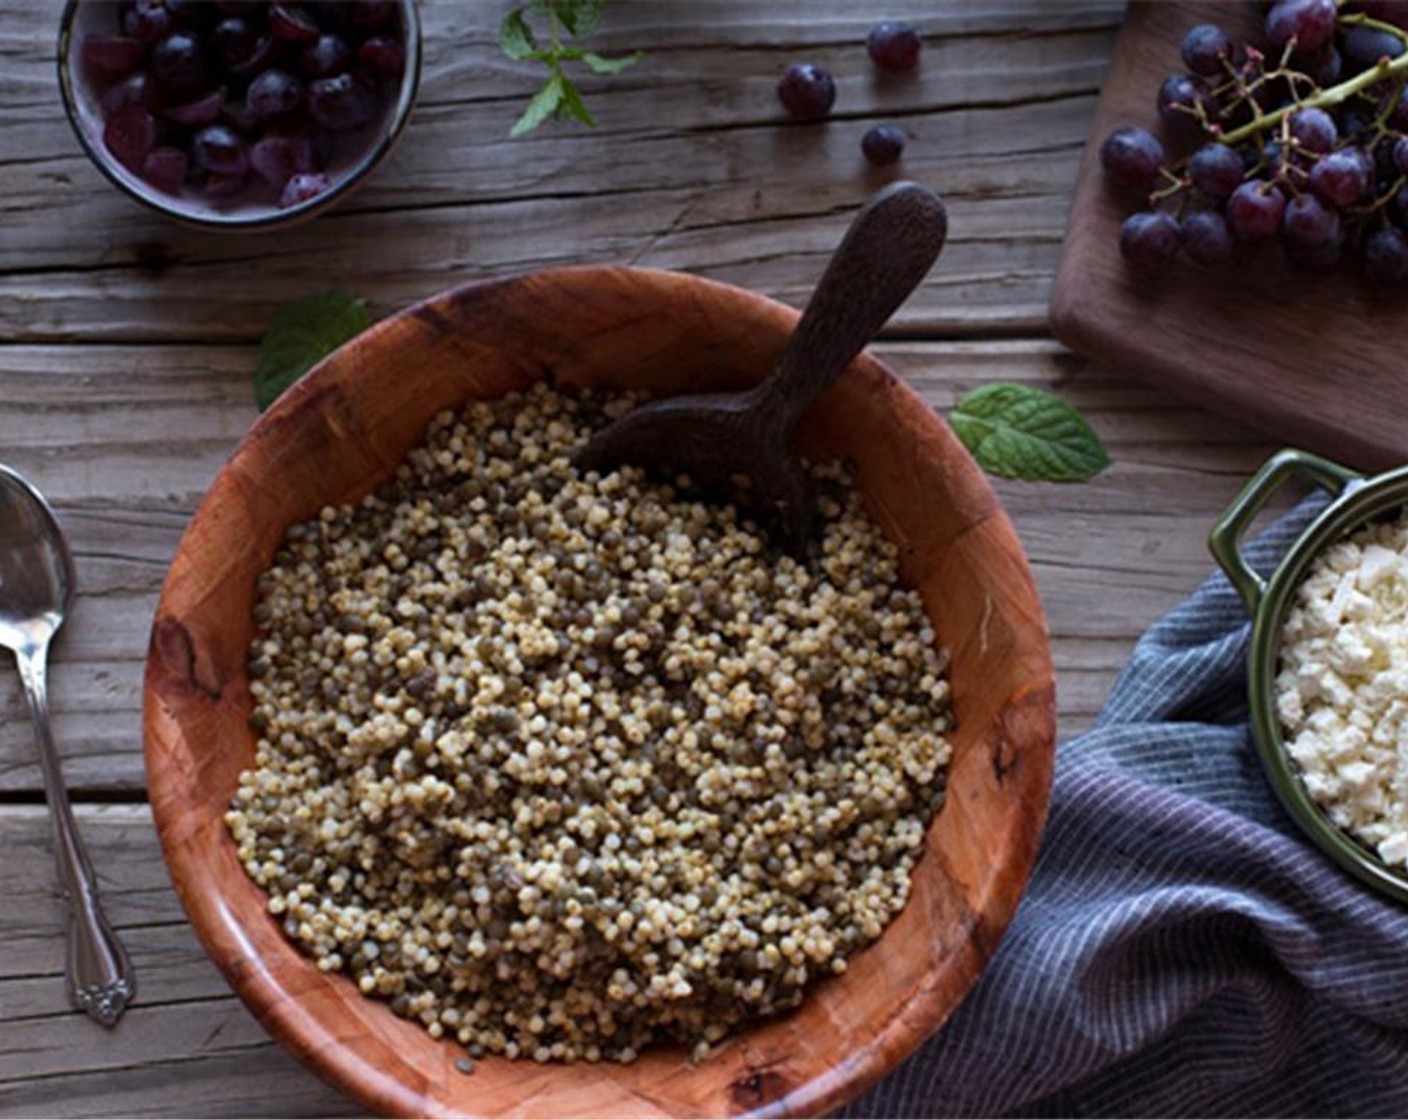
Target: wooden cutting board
(1316,360)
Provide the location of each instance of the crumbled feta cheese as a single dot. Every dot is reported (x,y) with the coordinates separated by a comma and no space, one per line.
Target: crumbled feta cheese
(1342,689)
(1378,563)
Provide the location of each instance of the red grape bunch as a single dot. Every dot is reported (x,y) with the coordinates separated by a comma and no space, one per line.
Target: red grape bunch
(1302,140)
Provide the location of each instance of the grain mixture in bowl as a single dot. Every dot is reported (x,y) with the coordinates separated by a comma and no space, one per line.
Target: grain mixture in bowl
(563,764)
(1342,690)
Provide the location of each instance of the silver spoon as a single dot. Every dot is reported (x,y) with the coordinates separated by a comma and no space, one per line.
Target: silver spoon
(36,589)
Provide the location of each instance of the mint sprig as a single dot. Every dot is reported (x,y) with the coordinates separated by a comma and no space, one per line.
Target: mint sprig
(559,95)
(1015,431)
(301,335)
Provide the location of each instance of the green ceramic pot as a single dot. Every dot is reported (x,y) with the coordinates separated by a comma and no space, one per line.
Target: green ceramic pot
(1357,500)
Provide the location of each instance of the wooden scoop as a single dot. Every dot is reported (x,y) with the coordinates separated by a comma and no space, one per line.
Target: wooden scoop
(715,437)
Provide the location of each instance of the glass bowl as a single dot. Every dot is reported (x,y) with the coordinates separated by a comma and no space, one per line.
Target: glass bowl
(81,96)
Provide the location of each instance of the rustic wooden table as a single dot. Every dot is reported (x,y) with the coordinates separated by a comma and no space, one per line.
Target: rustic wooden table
(127,345)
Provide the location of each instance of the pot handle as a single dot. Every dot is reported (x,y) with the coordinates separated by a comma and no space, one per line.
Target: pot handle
(1225,539)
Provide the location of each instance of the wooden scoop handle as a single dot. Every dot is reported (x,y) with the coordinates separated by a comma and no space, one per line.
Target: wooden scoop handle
(888,250)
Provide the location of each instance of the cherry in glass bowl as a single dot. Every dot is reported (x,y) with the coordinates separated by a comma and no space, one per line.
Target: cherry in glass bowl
(240,146)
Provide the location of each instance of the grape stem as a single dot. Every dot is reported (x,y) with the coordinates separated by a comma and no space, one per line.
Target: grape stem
(1327,97)
(1359,19)
(1379,204)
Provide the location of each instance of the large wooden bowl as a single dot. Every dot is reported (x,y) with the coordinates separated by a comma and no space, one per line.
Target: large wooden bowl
(343,429)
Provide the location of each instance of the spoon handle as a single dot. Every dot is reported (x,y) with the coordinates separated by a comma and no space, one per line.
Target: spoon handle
(98,974)
(888,250)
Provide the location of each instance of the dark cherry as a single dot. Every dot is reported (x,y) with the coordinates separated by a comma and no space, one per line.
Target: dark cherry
(1206,48)
(383,55)
(203,110)
(195,14)
(223,186)
(806,91)
(240,116)
(166,168)
(1363,48)
(1180,97)
(135,90)
(324,148)
(893,46)
(341,103)
(371,16)
(883,144)
(1132,157)
(266,50)
(292,24)
(234,40)
(1342,178)
(328,56)
(274,93)
(1206,237)
(336,18)
(1216,170)
(130,134)
(113,56)
(1384,256)
(301,188)
(277,159)
(1150,239)
(217,95)
(176,63)
(1254,211)
(147,20)
(1310,23)
(1385,157)
(219,150)
(1325,66)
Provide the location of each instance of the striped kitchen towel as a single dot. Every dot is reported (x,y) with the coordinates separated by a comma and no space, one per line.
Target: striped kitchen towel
(1180,951)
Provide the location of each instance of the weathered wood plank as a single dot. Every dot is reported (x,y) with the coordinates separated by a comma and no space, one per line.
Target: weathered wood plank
(693,167)
(125,856)
(456,149)
(256,1080)
(463,64)
(186,1047)
(125,439)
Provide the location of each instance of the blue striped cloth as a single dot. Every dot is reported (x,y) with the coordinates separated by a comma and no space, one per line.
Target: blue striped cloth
(1180,951)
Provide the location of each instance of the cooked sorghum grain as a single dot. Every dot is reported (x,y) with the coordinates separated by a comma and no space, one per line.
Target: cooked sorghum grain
(560,765)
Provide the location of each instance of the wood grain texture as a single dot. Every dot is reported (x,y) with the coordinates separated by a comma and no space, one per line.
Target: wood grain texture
(693,167)
(125,360)
(1312,360)
(343,430)
(192,1048)
(127,438)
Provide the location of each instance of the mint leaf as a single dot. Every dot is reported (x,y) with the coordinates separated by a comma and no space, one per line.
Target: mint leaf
(1015,431)
(580,17)
(601,65)
(566,19)
(543,105)
(300,336)
(516,37)
(573,106)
